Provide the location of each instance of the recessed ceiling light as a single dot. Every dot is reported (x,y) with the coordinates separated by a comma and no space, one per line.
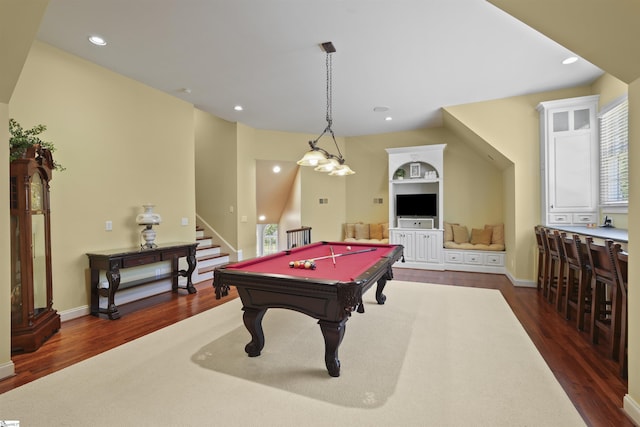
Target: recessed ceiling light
(262,217)
(570,60)
(388,118)
(97,40)
(276,169)
(238,108)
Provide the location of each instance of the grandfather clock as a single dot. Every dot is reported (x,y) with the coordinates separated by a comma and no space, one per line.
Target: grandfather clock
(33,318)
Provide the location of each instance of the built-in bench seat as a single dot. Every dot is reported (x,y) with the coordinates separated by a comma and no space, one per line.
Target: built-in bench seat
(366,233)
(482,250)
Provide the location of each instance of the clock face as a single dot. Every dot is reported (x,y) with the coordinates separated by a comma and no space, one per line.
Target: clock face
(37,192)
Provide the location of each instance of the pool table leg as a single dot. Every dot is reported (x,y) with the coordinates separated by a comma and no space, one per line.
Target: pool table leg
(253,321)
(380,297)
(333,332)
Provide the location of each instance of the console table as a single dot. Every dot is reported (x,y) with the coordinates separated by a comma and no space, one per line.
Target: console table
(111,261)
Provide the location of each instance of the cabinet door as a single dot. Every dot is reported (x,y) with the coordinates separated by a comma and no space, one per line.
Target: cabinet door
(406,239)
(570,162)
(428,246)
(571,177)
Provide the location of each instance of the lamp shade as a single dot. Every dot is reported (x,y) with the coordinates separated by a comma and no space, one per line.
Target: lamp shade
(148,217)
(341,171)
(329,166)
(312,158)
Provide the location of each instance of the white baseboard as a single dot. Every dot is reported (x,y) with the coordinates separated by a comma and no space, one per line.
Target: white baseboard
(631,408)
(74,313)
(522,283)
(7,370)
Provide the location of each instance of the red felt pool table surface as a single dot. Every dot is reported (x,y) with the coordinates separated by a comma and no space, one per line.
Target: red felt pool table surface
(347,267)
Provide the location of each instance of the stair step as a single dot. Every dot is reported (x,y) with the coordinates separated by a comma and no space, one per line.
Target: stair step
(211,256)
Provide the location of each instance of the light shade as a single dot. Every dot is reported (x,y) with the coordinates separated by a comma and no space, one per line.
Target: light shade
(312,158)
(329,166)
(148,217)
(341,171)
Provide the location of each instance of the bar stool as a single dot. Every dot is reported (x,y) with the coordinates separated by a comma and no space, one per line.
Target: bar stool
(605,309)
(621,263)
(577,279)
(543,259)
(555,274)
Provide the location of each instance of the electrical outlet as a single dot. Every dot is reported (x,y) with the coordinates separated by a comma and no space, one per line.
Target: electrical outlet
(108,226)
(185,221)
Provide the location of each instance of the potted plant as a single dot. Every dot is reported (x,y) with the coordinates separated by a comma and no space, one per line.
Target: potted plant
(23,139)
(399,174)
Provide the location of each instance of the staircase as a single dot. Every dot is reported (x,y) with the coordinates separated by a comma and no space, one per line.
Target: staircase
(208,257)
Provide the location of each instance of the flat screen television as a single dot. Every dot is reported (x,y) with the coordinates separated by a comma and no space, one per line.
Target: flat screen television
(417,205)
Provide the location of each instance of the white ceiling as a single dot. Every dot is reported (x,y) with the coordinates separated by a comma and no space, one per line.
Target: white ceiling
(413,56)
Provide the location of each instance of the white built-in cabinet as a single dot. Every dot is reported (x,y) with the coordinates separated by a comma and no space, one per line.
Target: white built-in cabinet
(569,160)
(421,172)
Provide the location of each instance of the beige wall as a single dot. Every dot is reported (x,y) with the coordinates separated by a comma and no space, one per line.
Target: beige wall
(123,144)
(216,173)
(291,217)
(254,144)
(634,246)
(511,126)
(472,185)
(19,22)
(6,366)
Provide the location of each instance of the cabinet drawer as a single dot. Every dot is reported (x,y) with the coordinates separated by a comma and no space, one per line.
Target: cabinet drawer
(177,253)
(473,258)
(140,260)
(584,218)
(454,257)
(560,218)
(495,259)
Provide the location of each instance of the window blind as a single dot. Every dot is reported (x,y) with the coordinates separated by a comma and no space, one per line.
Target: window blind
(614,159)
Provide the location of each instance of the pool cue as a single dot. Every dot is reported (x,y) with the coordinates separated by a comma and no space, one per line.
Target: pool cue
(344,254)
(333,255)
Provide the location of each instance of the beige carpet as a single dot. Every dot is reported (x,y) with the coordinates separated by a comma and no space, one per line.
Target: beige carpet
(433,355)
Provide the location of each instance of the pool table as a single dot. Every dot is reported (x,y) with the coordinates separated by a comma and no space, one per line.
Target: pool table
(330,292)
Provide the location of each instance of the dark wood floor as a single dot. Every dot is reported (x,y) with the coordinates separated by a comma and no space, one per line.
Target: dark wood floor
(589,378)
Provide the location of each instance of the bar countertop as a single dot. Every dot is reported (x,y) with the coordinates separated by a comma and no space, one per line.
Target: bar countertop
(616,234)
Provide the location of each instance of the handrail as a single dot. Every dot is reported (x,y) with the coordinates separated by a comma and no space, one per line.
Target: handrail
(298,236)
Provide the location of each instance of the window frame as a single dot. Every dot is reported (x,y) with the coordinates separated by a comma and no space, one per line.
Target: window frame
(609,206)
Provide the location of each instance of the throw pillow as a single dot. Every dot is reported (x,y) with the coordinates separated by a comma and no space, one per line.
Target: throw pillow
(481,236)
(448,231)
(497,236)
(362,231)
(460,233)
(385,230)
(349,231)
(375,231)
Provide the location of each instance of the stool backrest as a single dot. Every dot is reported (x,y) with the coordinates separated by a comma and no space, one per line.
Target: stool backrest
(621,263)
(554,244)
(539,230)
(601,261)
(572,248)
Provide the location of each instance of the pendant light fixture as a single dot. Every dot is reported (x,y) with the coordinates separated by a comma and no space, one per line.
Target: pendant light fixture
(321,159)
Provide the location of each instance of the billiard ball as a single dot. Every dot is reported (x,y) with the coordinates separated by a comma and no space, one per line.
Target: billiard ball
(348,248)
(307,265)
(292,264)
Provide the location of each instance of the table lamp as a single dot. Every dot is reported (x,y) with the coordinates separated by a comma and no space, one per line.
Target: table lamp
(148,218)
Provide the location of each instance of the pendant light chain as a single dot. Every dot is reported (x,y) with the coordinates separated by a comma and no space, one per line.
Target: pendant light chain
(329,66)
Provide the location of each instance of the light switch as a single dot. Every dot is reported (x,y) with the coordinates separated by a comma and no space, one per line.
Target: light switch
(108,226)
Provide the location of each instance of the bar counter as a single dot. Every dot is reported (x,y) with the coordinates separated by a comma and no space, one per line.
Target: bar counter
(618,235)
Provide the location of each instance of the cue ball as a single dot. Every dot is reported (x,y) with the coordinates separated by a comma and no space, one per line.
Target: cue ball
(348,248)
(291,264)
